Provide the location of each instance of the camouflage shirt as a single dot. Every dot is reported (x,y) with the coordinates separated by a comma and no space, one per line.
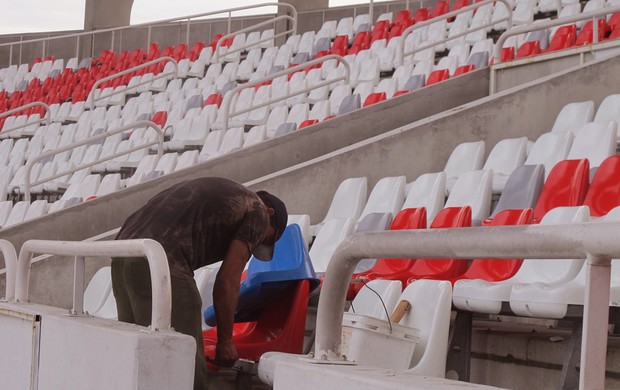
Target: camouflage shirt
(195,221)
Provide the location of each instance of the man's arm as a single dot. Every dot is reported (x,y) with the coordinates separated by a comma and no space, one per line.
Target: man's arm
(225,296)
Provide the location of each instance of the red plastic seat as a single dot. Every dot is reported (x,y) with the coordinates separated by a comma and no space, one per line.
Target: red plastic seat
(195,51)
(374,98)
(441,7)
(566,185)
(213,42)
(508,53)
(381,26)
(308,122)
(160,118)
(340,45)
(153,51)
(421,15)
(604,192)
(379,34)
(491,269)
(614,21)
(464,69)
(528,49)
(280,327)
(437,76)
(402,92)
(180,51)
(393,269)
(403,18)
(561,41)
(362,39)
(586,35)
(443,269)
(396,31)
(215,98)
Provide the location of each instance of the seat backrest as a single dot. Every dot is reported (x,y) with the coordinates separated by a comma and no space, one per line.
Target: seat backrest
(567,185)
(549,149)
(415,82)
(326,242)
(303,221)
(387,196)
(431,303)
(522,189)
(609,109)
(506,155)
(427,191)
(370,223)
(290,261)
(493,270)
(595,141)
(350,103)
(349,199)
(473,189)
(604,192)
(371,303)
(466,157)
(18,213)
(98,290)
(558,270)
(574,116)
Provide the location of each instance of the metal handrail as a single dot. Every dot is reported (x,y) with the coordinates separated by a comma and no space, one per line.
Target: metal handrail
(91,95)
(46,118)
(596,241)
(552,23)
(150,25)
(151,249)
(216,56)
(99,137)
(10,262)
(230,95)
(401,44)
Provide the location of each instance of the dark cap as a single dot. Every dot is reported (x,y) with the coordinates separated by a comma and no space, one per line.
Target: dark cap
(264,251)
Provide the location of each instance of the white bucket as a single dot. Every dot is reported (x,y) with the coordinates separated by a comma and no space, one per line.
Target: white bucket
(369,342)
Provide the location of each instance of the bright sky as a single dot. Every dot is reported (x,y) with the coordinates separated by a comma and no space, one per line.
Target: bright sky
(19,16)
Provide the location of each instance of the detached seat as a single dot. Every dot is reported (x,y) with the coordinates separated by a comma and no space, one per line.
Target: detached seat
(271,311)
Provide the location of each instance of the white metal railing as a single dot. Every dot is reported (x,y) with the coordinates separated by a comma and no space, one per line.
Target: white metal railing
(46,118)
(293,30)
(149,25)
(401,54)
(99,137)
(593,15)
(10,262)
(596,241)
(151,249)
(91,96)
(226,104)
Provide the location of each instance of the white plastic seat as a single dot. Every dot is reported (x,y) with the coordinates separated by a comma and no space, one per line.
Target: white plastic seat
(460,52)
(423,67)
(458,27)
(37,209)
(402,74)
(17,215)
(366,71)
(427,191)
(109,184)
(468,156)
(345,27)
(303,221)
(595,141)
(266,38)
(327,240)
(609,110)
(187,159)
(257,134)
(551,300)
(388,86)
(436,32)
(277,116)
(211,145)
(5,210)
(98,290)
(387,196)
(347,203)
(573,116)
(259,116)
(336,97)
(487,297)
(364,89)
(499,12)
(504,158)
(523,13)
(146,165)
(450,63)
(549,149)
(319,111)
(474,189)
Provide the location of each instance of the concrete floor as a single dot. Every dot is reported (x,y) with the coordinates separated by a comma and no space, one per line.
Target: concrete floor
(226,380)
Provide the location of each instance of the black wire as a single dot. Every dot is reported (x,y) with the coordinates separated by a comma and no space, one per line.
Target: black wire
(382,303)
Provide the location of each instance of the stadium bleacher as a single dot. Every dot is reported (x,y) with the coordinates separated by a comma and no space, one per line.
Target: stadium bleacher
(205,113)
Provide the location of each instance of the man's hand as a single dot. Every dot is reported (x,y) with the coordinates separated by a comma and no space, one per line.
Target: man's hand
(225,354)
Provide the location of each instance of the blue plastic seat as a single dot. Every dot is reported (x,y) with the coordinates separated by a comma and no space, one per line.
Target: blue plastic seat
(267,279)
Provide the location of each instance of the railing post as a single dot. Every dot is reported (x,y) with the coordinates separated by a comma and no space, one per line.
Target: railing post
(79,268)
(595,320)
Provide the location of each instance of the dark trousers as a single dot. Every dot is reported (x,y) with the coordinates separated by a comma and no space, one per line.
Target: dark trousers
(131,283)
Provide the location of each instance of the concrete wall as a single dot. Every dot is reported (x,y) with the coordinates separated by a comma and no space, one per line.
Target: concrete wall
(109,212)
